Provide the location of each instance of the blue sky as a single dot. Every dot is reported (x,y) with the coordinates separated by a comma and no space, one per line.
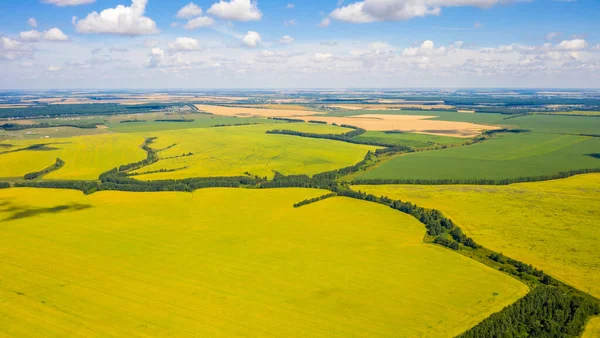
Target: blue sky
(269,43)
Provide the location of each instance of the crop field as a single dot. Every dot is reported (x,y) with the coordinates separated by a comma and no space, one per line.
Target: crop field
(552,225)
(592,329)
(230,262)
(232,151)
(505,156)
(254,112)
(86,157)
(199,121)
(557,124)
(408,139)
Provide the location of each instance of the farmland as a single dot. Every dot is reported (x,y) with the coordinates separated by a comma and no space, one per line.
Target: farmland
(231,151)
(116,264)
(504,156)
(592,329)
(409,139)
(553,225)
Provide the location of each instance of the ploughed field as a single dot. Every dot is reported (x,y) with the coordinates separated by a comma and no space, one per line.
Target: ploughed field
(552,225)
(230,262)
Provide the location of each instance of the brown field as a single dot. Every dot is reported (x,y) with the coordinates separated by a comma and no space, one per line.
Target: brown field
(408,123)
(280,106)
(249,112)
(12,105)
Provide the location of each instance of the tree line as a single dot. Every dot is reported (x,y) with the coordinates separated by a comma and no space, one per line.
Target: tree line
(505,181)
(313,200)
(17,126)
(57,165)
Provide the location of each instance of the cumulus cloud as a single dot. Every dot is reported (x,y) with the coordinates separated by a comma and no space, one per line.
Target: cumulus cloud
(322,57)
(53,68)
(324,23)
(32,22)
(251,39)
(185,44)
(237,10)
(427,48)
(189,11)
(62,3)
(575,44)
(11,49)
(394,10)
(155,57)
(286,40)
(120,20)
(499,50)
(55,34)
(201,21)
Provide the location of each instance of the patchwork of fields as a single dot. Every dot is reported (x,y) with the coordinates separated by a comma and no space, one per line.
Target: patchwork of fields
(504,156)
(552,225)
(237,262)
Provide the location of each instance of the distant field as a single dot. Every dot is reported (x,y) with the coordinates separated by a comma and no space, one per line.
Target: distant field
(254,112)
(408,139)
(86,157)
(557,124)
(230,262)
(200,121)
(592,329)
(577,112)
(505,156)
(552,225)
(232,151)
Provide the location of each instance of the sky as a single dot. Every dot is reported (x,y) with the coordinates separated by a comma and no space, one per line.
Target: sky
(178,44)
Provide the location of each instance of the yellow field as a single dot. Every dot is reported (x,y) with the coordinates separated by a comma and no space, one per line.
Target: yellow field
(231,151)
(552,225)
(592,329)
(86,157)
(230,262)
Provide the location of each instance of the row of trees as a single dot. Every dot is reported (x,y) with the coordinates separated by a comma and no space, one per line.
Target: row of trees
(57,165)
(504,181)
(174,120)
(4,185)
(17,126)
(547,311)
(313,200)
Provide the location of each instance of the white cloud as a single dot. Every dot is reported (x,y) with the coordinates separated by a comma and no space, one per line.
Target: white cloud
(499,50)
(150,43)
(329,43)
(324,23)
(155,58)
(291,22)
(322,57)
(11,49)
(53,68)
(31,35)
(251,39)
(289,6)
(55,34)
(238,10)
(189,11)
(552,35)
(286,40)
(185,44)
(32,22)
(574,44)
(120,20)
(62,3)
(427,48)
(395,10)
(201,21)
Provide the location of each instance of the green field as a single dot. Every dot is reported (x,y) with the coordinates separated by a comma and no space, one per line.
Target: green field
(200,121)
(504,156)
(552,225)
(232,151)
(408,139)
(230,262)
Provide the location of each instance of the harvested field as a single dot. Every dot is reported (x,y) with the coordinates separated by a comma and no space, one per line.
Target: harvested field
(394,106)
(253,112)
(231,263)
(407,123)
(552,225)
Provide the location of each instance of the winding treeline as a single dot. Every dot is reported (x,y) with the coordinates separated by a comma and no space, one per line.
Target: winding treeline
(151,157)
(505,181)
(17,126)
(547,311)
(313,200)
(57,165)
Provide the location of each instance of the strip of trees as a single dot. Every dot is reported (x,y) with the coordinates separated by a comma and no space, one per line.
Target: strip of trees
(17,126)
(57,165)
(313,200)
(4,185)
(505,181)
